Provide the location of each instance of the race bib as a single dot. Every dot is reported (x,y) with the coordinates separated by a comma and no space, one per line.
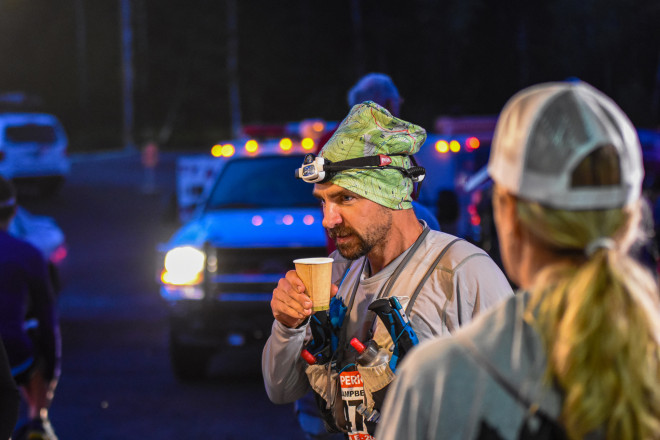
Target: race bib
(352,393)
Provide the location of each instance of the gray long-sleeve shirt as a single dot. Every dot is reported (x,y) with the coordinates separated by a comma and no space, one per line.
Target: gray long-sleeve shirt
(465,282)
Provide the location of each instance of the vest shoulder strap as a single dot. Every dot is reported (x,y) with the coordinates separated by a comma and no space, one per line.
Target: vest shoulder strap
(428,273)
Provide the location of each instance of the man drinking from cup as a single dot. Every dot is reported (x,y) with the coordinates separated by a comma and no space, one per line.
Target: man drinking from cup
(364,178)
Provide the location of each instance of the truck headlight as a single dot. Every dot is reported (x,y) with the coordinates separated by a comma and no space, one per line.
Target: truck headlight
(184,266)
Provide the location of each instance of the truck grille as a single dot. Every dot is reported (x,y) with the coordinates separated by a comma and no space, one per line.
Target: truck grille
(254,270)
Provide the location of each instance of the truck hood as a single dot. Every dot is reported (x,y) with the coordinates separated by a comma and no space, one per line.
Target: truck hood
(240,228)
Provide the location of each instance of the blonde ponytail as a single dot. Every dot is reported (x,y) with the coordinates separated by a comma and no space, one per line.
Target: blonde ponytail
(599,320)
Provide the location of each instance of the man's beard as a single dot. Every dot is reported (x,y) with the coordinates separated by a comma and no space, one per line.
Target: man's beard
(361,244)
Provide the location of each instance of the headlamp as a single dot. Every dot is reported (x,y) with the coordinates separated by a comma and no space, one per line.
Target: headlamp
(312,169)
(320,170)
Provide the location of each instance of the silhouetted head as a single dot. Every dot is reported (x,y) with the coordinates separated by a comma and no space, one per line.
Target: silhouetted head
(379,88)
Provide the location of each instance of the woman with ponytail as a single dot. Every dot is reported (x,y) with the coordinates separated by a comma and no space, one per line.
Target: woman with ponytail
(576,353)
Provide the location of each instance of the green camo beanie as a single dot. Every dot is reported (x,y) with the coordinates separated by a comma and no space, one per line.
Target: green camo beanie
(370,130)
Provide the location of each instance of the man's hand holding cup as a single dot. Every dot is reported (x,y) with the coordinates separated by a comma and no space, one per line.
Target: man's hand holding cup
(303,291)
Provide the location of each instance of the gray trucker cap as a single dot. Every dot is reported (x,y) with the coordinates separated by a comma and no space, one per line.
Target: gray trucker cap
(546,130)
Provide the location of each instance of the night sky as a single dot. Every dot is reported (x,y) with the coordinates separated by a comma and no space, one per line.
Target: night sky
(296,59)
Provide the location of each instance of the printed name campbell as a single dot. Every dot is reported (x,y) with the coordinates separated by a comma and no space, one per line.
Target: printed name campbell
(352,393)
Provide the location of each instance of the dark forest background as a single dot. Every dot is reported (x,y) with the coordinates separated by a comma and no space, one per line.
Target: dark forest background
(297,58)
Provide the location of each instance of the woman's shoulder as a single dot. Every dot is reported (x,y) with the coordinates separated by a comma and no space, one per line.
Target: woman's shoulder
(491,332)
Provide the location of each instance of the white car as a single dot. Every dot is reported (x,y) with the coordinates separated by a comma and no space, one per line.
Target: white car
(33,149)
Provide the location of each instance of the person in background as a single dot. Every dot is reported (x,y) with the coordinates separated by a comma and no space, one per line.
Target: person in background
(576,353)
(28,322)
(383,251)
(9,396)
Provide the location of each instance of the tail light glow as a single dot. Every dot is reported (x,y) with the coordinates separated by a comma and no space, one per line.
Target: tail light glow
(472,143)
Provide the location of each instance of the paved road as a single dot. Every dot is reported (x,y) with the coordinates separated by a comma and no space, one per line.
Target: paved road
(116,382)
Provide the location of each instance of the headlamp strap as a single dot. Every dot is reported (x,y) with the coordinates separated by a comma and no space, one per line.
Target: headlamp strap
(415,173)
(380,160)
(324,169)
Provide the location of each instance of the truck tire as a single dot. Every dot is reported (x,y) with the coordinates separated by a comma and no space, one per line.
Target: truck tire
(189,362)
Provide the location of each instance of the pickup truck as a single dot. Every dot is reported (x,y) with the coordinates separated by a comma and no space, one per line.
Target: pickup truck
(219,269)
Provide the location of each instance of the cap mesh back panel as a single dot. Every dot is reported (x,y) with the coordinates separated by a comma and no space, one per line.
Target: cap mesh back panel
(551,147)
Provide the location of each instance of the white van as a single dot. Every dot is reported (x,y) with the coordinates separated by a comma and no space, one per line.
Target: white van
(33,148)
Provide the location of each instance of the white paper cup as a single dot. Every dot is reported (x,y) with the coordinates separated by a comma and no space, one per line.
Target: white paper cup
(316,274)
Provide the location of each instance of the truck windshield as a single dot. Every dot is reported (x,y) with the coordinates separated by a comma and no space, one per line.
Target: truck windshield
(261,182)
